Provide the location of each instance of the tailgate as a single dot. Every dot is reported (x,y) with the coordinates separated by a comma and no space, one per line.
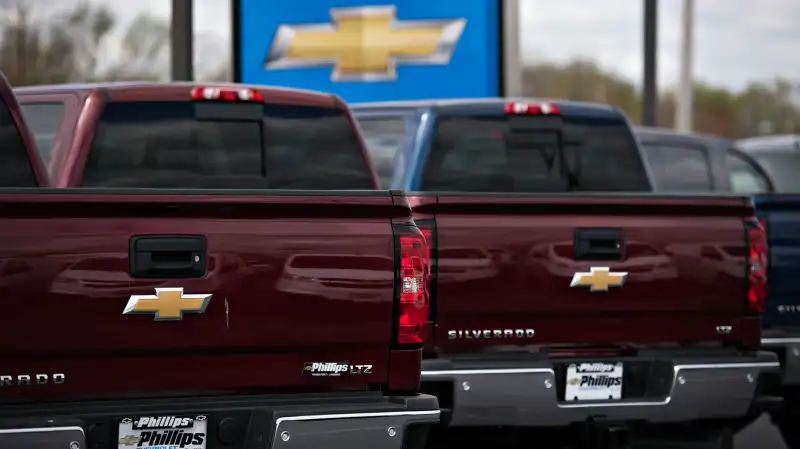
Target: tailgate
(288,280)
(505,268)
(781,216)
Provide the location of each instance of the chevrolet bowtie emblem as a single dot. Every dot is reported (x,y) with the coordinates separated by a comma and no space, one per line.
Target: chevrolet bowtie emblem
(365,43)
(598,279)
(130,440)
(168,304)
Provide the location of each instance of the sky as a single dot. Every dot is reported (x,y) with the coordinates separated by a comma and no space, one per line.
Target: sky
(736,41)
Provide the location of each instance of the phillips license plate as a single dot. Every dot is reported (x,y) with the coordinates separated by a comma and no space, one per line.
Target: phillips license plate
(593,382)
(163,432)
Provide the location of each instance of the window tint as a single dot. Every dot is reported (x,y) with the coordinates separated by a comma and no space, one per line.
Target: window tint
(166,145)
(44,121)
(384,138)
(482,153)
(744,177)
(15,164)
(679,168)
(783,167)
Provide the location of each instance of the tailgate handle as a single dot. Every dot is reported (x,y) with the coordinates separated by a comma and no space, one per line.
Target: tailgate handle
(169,256)
(599,244)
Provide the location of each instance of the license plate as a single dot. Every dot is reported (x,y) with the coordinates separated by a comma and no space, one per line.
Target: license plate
(593,382)
(163,432)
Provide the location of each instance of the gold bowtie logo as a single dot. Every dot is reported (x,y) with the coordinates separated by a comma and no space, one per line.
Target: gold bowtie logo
(598,279)
(130,440)
(365,43)
(168,304)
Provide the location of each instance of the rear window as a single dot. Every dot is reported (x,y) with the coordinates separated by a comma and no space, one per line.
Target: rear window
(679,167)
(384,137)
(783,167)
(44,121)
(471,153)
(167,145)
(15,164)
(745,176)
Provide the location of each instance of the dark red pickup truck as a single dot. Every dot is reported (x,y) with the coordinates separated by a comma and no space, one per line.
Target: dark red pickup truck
(564,292)
(168,300)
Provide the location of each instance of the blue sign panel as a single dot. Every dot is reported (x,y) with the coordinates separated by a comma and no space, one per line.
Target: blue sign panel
(368,50)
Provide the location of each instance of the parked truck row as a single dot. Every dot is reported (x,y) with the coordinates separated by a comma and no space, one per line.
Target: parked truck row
(229,266)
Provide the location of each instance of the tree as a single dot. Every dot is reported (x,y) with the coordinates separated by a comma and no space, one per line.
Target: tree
(222,73)
(143,50)
(65,47)
(581,80)
(759,108)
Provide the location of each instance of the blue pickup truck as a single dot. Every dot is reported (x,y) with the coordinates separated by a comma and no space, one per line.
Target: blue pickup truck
(780,212)
(768,168)
(521,199)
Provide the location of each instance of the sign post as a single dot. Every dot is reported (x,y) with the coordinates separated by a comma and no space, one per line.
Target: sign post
(650,84)
(512,64)
(182,36)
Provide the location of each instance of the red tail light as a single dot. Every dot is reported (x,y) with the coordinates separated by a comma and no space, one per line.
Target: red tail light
(757,261)
(227,94)
(428,230)
(532,109)
(414,305)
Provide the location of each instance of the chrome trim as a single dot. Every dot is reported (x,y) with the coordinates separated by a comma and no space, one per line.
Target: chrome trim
(356,415)
(43,429)
(780,341)
(489,371)
(349,416)
(675,369)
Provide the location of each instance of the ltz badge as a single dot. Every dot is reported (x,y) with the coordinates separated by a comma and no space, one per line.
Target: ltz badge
(335,369)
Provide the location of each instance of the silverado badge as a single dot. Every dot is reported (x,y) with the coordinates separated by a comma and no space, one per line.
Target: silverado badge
(168,304)
(364,43)
(598,279)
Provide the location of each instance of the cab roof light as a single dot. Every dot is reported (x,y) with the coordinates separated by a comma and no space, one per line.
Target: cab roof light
(532,109)
(227,94)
